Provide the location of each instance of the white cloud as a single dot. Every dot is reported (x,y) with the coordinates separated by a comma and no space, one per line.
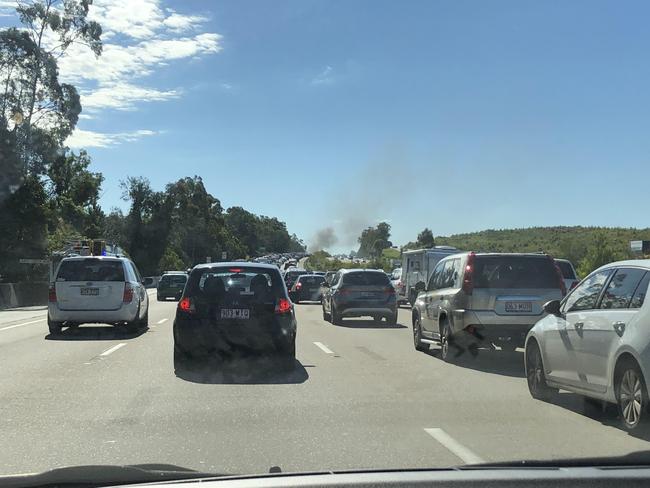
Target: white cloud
(325,77)
(124,97)
(179,23)
(86,138)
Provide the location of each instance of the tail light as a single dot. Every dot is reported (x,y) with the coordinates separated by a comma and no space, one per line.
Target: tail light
(298,286)
(51,295)
(560,278)
(468,276)
(573,285)
(128,293)
(283,306)
(186,305)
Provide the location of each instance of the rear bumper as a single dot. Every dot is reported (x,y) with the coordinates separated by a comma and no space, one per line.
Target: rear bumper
(365,311)
(201,338)
(489,327)
(126,313)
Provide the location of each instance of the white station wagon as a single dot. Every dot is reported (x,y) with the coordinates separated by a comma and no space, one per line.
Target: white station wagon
(94,289)
(595,341)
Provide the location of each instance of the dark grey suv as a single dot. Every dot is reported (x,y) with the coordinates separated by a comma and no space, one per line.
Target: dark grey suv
(359,293)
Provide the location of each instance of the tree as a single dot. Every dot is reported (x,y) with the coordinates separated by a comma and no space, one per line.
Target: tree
(598,254)
(373,240)
(425,239)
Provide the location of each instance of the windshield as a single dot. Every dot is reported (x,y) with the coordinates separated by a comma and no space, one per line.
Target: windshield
(466,281)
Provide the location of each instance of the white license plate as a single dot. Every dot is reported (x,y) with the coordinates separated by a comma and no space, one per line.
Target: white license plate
(90,291)
(235,313)
(514,307)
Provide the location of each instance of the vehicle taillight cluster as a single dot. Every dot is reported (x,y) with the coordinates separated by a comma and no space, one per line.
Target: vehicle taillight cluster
(185,304)
(298,286)
(127,297)
(560,277)
(468,276)
(51,296)
(283,306)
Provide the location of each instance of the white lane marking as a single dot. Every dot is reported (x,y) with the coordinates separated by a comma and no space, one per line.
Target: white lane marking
(113,349)
(162,321)
(454,446)
(20,325)
(323,347)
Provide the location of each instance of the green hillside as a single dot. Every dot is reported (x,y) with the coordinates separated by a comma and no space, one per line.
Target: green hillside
(586,247)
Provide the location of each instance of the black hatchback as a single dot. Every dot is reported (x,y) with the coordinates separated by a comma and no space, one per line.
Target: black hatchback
(229,309)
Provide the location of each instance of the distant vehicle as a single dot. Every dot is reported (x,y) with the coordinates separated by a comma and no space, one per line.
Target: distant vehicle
(417,266)
(291,276)
(359,293)
(320,273)
(481,299)
(595,341)
(398,284)
(97,289)
(290,263)
(568,273)
(253,313)
(307,288)
(171,286)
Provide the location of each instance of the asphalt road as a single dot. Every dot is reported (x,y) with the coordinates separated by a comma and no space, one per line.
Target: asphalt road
(360,397)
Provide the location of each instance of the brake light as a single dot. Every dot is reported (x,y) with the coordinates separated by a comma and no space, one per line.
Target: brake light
(468,276)
(560,278)
(235,270)
(51,296)
(298,286)
(185,305)
(128,293)
(283,306)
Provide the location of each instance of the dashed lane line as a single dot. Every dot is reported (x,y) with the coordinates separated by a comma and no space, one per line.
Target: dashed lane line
(323,347)
(454,446)
(20,325)
(113,349)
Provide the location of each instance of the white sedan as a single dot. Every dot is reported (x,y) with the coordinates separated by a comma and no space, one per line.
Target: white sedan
(595,341)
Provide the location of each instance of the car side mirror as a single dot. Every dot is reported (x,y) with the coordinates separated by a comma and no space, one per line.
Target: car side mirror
(553,307)
(420,287)
(147,282)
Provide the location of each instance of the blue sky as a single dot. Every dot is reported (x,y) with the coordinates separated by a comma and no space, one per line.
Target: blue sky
(453,115)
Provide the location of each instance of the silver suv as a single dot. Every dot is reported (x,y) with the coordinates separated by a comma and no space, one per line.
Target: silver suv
(480,299)
(88,289)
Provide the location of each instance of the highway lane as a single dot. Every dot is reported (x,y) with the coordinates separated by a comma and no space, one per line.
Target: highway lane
(360,397)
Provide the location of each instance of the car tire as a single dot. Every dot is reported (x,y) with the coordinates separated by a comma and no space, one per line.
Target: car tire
(535,376)
(631,395)
(417,337)
(54,327)
(336,317)
(181,360)
(377,319)
(159,298)
(392,319)
(326,316)
(144,321)
(288,360)
(446,339)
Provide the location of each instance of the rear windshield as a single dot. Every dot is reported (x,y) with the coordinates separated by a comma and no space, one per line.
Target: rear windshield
(514,272)
(366,278)
(311,280)
(292,275)
(90,270)
(169,280)
(567,270)
(251,284)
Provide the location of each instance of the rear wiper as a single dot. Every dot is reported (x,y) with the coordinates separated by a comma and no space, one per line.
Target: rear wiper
(103,475)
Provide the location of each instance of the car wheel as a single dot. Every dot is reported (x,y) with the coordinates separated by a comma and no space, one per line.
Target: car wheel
(336,317)
(181,360)
(144,321)
(535,375)
(55,327)
(392,319)
(377,319)
(631,395)
(326,316)
(159,298)
(288,361)
(417,337)
(445,343)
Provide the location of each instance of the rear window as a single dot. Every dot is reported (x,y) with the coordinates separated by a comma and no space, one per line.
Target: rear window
(246,283)
(366,278)
(311,280)
(514,272)
(567,270)
(90,270)
(173,280)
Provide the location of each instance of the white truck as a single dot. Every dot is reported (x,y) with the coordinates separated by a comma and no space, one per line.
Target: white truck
(417,266)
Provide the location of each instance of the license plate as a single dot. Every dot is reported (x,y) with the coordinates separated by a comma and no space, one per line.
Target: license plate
(90,291)
(235,313)
(515,307)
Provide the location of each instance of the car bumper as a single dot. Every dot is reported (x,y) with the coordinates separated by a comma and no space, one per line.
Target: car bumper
(197,338)
(126,313)
(367,311)
(489,327)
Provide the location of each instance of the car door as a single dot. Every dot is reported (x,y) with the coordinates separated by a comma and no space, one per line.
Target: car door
(605,327)
(139,290)
(429,297)
(562,335)
(329,291)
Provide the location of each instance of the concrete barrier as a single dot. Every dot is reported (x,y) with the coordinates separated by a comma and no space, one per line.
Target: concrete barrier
(23,294)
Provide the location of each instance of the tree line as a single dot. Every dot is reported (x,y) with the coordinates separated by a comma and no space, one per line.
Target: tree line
(50,194)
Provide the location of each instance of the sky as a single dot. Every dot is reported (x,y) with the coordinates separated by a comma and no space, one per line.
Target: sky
(454,115)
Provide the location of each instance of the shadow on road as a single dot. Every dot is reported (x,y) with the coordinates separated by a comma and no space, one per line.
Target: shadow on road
(491,361)
(368,324)
(242,371)
(95,333)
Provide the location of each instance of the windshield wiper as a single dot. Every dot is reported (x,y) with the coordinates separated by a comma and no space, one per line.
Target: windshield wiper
(103,475)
